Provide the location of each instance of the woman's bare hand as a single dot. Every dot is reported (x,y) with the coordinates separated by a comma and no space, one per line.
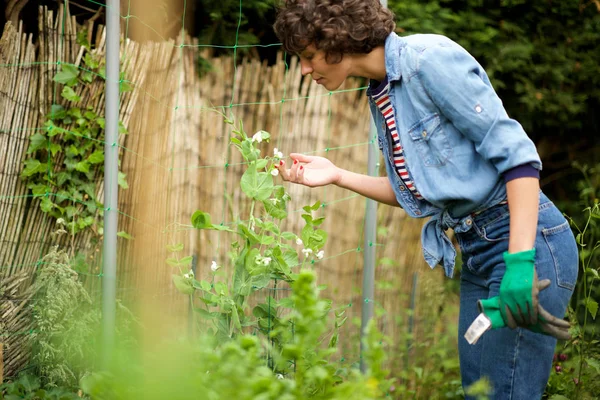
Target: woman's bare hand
(309,171)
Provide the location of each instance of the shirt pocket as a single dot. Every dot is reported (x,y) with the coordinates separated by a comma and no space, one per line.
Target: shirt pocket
(431,141)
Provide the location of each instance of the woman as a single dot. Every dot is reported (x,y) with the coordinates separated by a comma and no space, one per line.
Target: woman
(451,152)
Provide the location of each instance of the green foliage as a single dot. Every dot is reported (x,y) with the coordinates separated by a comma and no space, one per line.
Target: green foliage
(576,372)
(263,254)
(220,21)
(28,387)
(480,390)
(236,369)
(298,326)
(65,323)
(67,156)
(542,57)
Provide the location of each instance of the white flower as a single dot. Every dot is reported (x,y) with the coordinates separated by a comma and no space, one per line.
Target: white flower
(186,276)
(60,221)
(320,254)
(266,261)
(274,201)
(257,137)
(274,172)
(299,242)
(214,267)
(279,376)
(277,153)
(307,252)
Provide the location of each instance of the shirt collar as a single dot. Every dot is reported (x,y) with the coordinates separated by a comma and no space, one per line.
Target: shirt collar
(393,47)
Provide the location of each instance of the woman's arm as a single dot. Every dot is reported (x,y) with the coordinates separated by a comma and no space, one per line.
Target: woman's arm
(314,171)
(523,200)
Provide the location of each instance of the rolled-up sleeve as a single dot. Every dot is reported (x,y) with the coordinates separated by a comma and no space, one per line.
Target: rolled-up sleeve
(460,88)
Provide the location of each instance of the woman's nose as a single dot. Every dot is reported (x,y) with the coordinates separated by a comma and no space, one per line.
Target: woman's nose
(305,67)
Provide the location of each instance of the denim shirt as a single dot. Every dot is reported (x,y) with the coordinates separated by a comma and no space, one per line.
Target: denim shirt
(457,138)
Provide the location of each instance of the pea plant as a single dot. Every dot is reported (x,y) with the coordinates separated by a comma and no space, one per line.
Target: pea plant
(262,254)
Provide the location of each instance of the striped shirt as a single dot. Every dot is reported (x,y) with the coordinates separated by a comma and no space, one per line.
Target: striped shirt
(381,97)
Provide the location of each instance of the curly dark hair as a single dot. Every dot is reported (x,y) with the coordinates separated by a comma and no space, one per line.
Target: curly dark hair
(337,27)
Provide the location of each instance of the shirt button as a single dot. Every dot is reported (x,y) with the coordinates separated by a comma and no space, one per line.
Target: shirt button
(424,133)
(478,109)
(468,222)
(402,188)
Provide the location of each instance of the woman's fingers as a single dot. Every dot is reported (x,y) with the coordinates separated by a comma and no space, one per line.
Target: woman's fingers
(301,157)
(294,174)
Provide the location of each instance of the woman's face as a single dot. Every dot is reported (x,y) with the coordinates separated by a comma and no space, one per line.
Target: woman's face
(331,76)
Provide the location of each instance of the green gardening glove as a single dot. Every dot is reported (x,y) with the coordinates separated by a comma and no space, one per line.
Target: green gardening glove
(547,323)
(518,293)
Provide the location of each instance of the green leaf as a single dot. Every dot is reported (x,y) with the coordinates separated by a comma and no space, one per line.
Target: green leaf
(594,363)
(593,272)
(72,150)
(122,129)
(124,235)
(172,262)
(260,281)
(240,274)
(206,314)
(267,240)
(201,220)
(174,248)
(183,285)
(90,115)
(70,211)
(37,142)
(46,205)
(57,112)
(87,76)
(70,94)
(251,236)
(91,61)
(289,236)
(125,86)
(318,221)
(29,382)
(286,302)
(83,166)
(54,148)
(257,185)
(592,306)
(75,112)
(38,188)
(96,157)
(206,286)
(186,261)
(261,163)
(291,258)
(249,152)
(67,75)
(82,40)
(122,180)
(274,210)
(32,167)
(236,318)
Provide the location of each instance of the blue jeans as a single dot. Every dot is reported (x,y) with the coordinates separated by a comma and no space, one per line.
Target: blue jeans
(516,361)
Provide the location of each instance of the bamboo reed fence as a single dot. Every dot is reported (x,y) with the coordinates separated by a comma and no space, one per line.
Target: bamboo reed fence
(177,160)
